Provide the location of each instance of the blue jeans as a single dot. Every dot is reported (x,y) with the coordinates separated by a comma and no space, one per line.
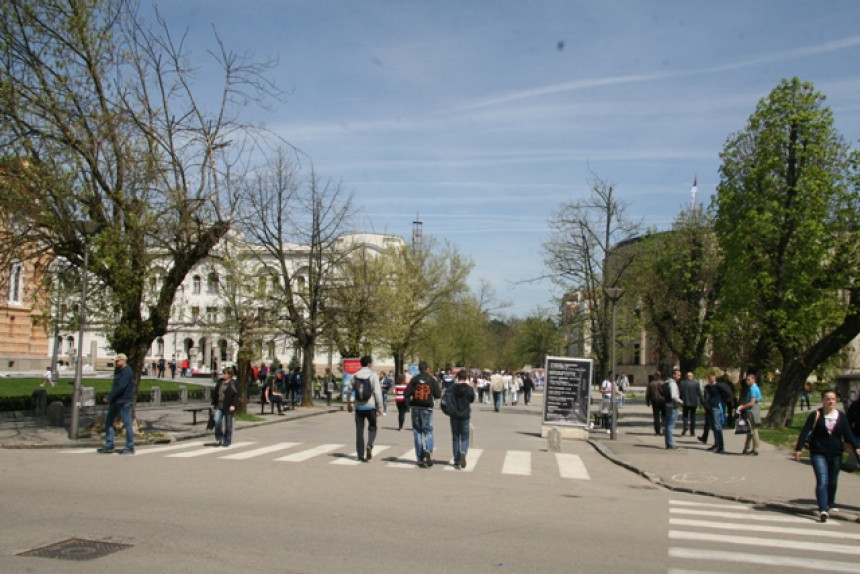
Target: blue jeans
(714,422)
(497,400)
(826,468)
(671,419)
(227,434)
(385,402)
(422,430)
(460,436)
(124,412)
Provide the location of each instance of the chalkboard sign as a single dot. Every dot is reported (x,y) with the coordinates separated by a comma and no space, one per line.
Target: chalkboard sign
(568,383)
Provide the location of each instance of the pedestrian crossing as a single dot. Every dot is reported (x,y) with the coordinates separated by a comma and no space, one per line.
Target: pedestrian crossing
(511,463)
(707,538)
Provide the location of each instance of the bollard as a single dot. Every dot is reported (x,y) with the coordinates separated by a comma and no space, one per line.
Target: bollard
(553,440)
(473,439)
(207,394)
(155,396)
(56,414)
(183,394)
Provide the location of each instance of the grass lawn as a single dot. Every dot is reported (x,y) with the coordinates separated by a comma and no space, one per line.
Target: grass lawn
(24,387)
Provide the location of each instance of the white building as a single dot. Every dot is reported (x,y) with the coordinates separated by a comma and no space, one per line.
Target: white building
(197,332)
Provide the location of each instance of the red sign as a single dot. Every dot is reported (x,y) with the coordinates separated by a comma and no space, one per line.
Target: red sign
(351,366)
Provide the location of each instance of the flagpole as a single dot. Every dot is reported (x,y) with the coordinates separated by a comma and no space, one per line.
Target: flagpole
(693,192)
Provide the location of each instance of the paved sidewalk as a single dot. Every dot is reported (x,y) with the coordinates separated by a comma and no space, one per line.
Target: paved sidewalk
(773,479)
(167,423)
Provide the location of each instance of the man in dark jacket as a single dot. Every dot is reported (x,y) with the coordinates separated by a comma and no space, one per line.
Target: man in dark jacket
(224,400)
(460,410)
(120,400)
(654,399)
(419,395)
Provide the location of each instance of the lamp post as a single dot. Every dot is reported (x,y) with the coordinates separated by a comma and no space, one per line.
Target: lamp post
(614,294)
(87,230)
(55,373)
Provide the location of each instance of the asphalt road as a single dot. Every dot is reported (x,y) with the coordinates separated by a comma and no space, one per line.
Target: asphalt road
(292,498)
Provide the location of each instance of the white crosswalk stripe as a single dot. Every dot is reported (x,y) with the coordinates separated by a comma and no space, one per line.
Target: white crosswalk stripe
(515,462)
(728,533)
(471,461)
(571,466)
(209,450)
(405,460)
(353,460)
(308,454)
(260,451)
(518,462)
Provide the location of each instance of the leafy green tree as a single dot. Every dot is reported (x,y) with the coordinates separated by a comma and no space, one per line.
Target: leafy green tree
(535,337)
(674,279)
(419,280)
(786,216)
(100,114)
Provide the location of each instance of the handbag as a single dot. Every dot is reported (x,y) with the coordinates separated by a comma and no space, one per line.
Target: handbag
(210,424)
(742,426)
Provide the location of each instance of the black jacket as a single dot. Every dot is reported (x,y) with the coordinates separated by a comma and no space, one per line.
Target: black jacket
(822,442)
(419,400)
(463,395)
(231,395)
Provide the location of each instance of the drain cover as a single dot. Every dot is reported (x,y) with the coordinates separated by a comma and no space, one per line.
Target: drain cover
(76,549)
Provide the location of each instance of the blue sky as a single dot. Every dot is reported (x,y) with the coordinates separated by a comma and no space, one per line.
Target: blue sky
(482,117)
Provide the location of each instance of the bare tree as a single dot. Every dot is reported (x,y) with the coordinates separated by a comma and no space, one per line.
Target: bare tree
(298,226)
(582,255)
(101,115)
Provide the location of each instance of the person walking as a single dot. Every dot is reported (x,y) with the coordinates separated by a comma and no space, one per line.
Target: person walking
(715,400)
(826,431)
(804,395)
(528,387)
(750,409)
(400,400)
(120,400)
(367,393)
(47,377)
(387,384)
(419,396)
(497,387)
(690,393)
(224,398)
(460,411)
(673,399)
(654,399)
(328,386)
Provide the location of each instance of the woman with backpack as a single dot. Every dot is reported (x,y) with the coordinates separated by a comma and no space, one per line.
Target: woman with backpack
(824,434)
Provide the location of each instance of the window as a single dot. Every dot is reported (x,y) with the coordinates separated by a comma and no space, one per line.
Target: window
(16,279)
(195,314)
(211,314)
(212,284)
(195,286)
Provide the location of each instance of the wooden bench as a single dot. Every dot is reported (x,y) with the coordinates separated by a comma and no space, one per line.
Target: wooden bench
(194,411)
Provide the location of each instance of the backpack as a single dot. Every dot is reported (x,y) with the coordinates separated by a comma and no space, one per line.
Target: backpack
(666,392)
(448,403)
(363,389)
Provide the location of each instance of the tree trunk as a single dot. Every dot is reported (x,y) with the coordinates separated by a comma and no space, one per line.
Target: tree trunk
(308,373)
(798,369)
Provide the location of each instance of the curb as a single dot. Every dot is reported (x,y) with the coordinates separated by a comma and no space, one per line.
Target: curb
(169,436)
(658,481)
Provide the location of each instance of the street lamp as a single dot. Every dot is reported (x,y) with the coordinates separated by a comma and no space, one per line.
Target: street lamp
(87,230)
(614,294)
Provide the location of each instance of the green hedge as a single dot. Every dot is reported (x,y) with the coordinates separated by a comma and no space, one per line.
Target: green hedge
(15,394)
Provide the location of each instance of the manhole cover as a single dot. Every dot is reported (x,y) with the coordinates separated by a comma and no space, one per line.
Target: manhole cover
(76,549)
